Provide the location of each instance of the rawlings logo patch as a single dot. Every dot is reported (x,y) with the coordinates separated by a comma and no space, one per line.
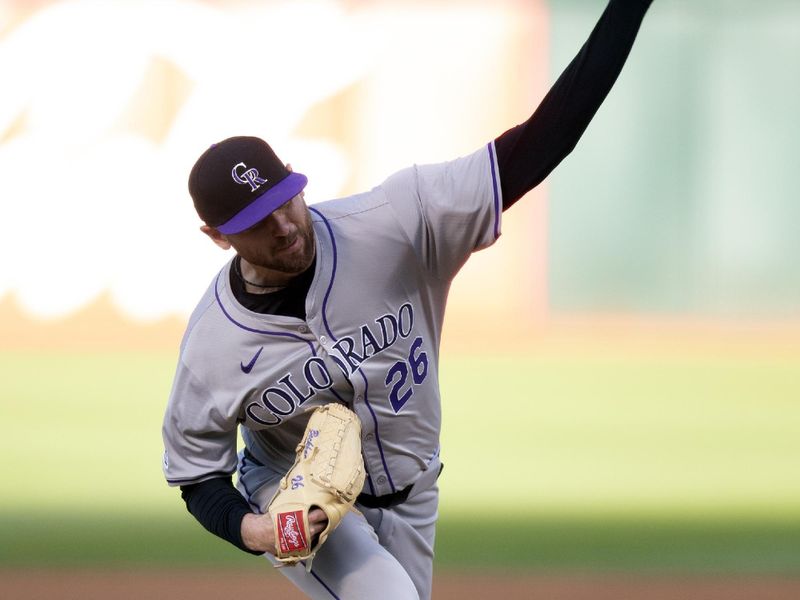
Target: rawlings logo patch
(310,442)
(291,533)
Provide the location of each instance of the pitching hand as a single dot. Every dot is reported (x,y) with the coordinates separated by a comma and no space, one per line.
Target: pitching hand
(258,533)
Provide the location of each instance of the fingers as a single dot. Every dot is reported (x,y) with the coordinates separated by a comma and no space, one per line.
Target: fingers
(317,515)
(317,521)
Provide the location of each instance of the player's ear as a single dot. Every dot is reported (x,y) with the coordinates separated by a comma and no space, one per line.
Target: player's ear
(220,239)
(289,167)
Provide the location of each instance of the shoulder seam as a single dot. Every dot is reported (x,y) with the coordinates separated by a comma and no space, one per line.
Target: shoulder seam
(350,214)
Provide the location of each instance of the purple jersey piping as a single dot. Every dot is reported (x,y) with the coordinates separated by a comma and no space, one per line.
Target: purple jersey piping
(322,583)
(377,437)
(335,339)
(333,274)
(328,293)
(496,195)
(335,393)
(246,328)
(247,492)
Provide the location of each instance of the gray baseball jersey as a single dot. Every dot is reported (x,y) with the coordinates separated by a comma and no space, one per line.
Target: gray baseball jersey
(385,260)
(374,313)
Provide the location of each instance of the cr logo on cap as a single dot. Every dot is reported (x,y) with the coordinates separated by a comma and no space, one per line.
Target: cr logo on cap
(249,176)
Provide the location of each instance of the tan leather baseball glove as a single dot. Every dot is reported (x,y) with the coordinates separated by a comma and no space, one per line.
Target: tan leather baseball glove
(328,473)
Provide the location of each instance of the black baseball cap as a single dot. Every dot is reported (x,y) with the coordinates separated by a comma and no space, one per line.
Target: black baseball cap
(239,181)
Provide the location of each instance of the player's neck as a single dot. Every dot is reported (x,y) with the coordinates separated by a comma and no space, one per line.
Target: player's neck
(260,280)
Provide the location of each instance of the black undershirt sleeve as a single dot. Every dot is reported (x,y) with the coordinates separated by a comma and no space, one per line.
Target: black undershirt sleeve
(527,153)
(219,507)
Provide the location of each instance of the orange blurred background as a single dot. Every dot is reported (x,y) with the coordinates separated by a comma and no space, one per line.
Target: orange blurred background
(661,223)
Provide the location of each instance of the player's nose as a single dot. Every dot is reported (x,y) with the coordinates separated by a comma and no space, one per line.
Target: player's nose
(280,225)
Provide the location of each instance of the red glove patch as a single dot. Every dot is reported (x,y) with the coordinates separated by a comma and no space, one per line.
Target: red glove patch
(291,532)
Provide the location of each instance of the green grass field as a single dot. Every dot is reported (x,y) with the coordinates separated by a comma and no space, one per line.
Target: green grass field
(565,460)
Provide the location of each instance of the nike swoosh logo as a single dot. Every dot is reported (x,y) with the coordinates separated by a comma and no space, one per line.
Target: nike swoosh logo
(249,366)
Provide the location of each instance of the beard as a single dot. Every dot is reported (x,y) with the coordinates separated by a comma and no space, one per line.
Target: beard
(283,260)
(296,262)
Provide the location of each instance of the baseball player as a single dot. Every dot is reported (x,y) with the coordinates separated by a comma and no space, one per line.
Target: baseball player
(343,302)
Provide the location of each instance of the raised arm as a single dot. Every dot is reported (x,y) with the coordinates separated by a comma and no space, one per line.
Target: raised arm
(527,153)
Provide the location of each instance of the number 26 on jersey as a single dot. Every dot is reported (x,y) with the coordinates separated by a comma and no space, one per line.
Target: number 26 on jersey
(402,386)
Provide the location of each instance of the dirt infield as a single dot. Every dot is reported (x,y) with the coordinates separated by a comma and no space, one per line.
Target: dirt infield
(205,585)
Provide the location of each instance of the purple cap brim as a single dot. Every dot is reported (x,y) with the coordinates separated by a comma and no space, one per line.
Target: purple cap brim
(261,207)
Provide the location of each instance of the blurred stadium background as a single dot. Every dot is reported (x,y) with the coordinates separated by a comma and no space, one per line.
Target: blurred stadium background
(621,371)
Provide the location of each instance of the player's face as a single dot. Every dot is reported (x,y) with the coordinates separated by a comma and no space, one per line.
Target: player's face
(283,242)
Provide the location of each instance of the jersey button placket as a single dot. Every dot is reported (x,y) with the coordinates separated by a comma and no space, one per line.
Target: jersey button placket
(368,436)
(369,446)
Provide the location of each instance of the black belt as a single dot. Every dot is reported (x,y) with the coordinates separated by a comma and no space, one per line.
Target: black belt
(388,500)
